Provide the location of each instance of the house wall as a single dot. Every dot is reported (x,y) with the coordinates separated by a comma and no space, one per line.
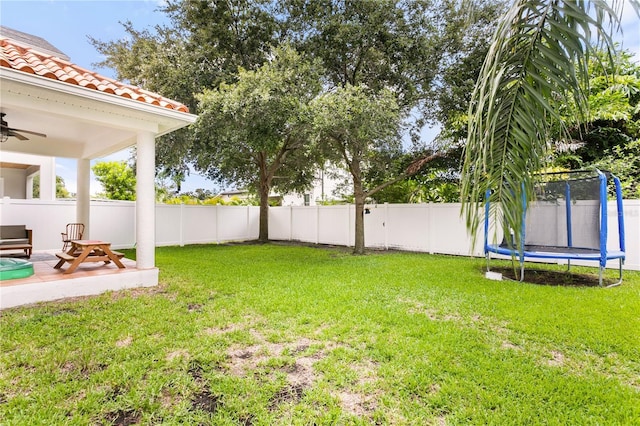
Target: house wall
(429,228)
(14,182)
(17,182)
(325,186)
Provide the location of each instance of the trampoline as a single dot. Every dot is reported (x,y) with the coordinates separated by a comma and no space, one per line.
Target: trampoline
(567,221)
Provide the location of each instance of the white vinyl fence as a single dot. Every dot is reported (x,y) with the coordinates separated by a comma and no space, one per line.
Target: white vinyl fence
(429,228)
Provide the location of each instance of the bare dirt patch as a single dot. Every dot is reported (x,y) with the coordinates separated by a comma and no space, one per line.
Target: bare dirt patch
(357,404)
(553,278)
(179,353)
(122,418)
(248,358)
(67,367)
(206,401)
(213,331)
(557,359)
(508,345)
(301,375)
(124,342)
(288,394)
(419,308)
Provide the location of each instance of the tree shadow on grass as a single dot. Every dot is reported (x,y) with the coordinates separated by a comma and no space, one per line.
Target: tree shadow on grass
(553,278)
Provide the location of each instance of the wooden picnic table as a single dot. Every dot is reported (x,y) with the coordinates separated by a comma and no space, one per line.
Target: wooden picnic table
(88,251)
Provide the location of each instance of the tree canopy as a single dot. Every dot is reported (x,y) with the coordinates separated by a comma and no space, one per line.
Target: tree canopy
(61,189)
(610,137)
(255,132)
(204,45)
(117,179)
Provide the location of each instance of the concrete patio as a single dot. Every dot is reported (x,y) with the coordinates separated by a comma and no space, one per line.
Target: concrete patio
(47,283)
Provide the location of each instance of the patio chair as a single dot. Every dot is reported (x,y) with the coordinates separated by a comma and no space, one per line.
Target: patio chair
(74,232)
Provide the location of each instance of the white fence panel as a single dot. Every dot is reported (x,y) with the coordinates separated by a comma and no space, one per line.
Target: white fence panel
(448,232)
(374,226)
(47,219)
(334,225)
(280,223)
(234,223)
(199,224)
(113,222)
(253,216)
(631,210)
(169,225)
(304,223)
(407,226)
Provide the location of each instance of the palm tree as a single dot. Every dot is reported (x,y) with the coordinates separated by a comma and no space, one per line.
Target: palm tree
(539,55)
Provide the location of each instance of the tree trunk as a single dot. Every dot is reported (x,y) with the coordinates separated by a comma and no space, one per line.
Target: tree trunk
(359,200)
(263,235)
(263,192)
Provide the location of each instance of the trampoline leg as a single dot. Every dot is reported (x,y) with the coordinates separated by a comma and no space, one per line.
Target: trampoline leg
(600,276)
(521,271)
(619,276)
(488,256)
(568,265)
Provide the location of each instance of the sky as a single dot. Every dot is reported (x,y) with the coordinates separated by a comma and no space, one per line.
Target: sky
(67,25)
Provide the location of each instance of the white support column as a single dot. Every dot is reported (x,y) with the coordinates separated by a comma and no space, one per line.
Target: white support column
(145,201)
(83,195)
(29,189)
(48,179)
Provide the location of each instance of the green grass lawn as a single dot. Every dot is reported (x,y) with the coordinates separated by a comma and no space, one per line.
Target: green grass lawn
(282,334)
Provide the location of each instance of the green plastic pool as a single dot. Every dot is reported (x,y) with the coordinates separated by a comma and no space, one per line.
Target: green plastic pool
(15,268)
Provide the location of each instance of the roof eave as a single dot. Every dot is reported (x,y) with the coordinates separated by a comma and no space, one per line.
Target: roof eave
(184,118)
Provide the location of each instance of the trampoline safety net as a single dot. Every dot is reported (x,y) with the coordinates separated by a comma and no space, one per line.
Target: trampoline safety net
(565,215)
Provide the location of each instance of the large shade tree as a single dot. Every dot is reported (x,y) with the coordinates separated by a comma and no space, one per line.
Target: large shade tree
(354,124)
(360,128)
(203,45)
(255,132)
(373,51)
(539,55)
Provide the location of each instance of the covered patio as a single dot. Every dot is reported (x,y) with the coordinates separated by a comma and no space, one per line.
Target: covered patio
(63,110)
(48,283)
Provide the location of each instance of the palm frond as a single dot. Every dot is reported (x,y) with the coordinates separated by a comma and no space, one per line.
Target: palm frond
(540,52)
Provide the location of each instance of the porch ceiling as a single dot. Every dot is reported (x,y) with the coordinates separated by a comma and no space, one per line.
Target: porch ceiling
(79,122)
(82,113)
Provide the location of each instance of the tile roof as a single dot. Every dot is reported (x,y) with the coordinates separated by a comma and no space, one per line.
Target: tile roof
(29,59)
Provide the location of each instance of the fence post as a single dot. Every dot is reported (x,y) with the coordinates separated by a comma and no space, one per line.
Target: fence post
(248,223)
(290,223)
(182,224)
(428,228)
(317,224)
(350,221)
(216,222)
(385,220)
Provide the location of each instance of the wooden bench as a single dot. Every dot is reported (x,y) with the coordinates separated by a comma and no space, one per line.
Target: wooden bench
(117,253)
(70,258)
(66,257)
(16,237)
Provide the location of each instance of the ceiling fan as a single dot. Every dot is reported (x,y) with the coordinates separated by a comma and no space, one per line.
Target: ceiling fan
(6,131)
